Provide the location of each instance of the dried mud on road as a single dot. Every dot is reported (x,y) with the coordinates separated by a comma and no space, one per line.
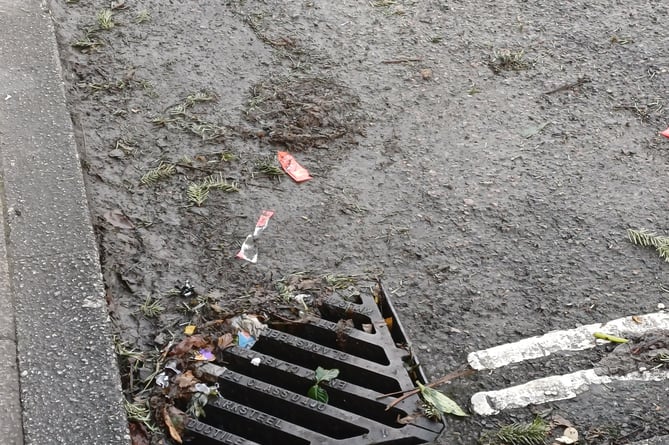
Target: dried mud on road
(483,159)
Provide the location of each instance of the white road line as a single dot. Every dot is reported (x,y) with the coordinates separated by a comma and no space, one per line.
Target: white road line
(569,340)
(550,389)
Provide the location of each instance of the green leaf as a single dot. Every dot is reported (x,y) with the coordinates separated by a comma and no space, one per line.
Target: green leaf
(325,375)
(440,401)
(318,393)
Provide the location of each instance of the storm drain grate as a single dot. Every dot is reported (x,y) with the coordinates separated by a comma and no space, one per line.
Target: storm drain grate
(263,390)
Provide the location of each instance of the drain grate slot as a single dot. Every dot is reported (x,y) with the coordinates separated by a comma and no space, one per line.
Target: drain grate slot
(356,400)
(335,338)
(312,355)
(347,312)
(255,425)
(263,390)
(287,405)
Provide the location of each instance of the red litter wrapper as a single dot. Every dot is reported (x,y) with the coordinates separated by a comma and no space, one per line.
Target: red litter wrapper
(262,222)
(665,133)
(249,251)
(292,167)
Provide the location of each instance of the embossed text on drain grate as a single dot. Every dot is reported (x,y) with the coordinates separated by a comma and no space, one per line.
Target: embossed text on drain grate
(266,402)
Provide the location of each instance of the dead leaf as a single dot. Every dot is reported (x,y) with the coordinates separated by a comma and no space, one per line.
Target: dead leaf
(170,423)
(217,308)
(440,401)
(185,345)
(309,284)
(138,434)
(116,218)
(636,319)
(225,340)
(185,380)
(558,420)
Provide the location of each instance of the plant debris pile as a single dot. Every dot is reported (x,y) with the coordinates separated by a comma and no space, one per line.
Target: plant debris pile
(303,113)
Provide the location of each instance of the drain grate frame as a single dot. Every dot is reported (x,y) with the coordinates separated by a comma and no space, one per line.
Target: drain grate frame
(263,390)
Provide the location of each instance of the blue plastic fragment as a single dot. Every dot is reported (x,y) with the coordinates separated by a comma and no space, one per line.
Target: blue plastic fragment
(245,340)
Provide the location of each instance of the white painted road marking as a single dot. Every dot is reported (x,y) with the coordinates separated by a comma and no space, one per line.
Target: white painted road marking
(559,387)
(550,389)
(569,340)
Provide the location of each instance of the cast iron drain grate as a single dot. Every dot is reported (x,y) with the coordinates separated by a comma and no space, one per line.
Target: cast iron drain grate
(266,402)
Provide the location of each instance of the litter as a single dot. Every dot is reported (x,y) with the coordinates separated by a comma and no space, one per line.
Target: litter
(162,380)
(249,251)
(256,361)
(204,355)
(300,298)
(248,324)
(292,167)
(263,221)
(172,366)
(665,133)
(187,290)
(190,329)
(245,340)
(207,390)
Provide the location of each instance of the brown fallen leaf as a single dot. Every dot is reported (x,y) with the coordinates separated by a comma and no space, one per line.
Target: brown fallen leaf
(309,284)
(225,340)
(636,319)
(138,434)
(116,218)
(173,418)
(188,343)
(558,420)
(185,380)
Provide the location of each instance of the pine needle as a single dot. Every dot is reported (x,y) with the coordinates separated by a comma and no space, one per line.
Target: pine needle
(219,182)
(267,167)
(645,238)
(200,96)
(199,192)
(163,171)
(519,434)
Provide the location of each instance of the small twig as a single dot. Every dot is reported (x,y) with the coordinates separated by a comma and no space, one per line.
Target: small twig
(580,81)
(194,167)
(445,379)
(401,60)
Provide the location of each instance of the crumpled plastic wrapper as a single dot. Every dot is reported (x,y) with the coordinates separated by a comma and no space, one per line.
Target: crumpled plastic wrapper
(249,324)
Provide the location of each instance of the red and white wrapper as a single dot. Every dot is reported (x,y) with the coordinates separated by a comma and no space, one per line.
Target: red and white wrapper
(249,251)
